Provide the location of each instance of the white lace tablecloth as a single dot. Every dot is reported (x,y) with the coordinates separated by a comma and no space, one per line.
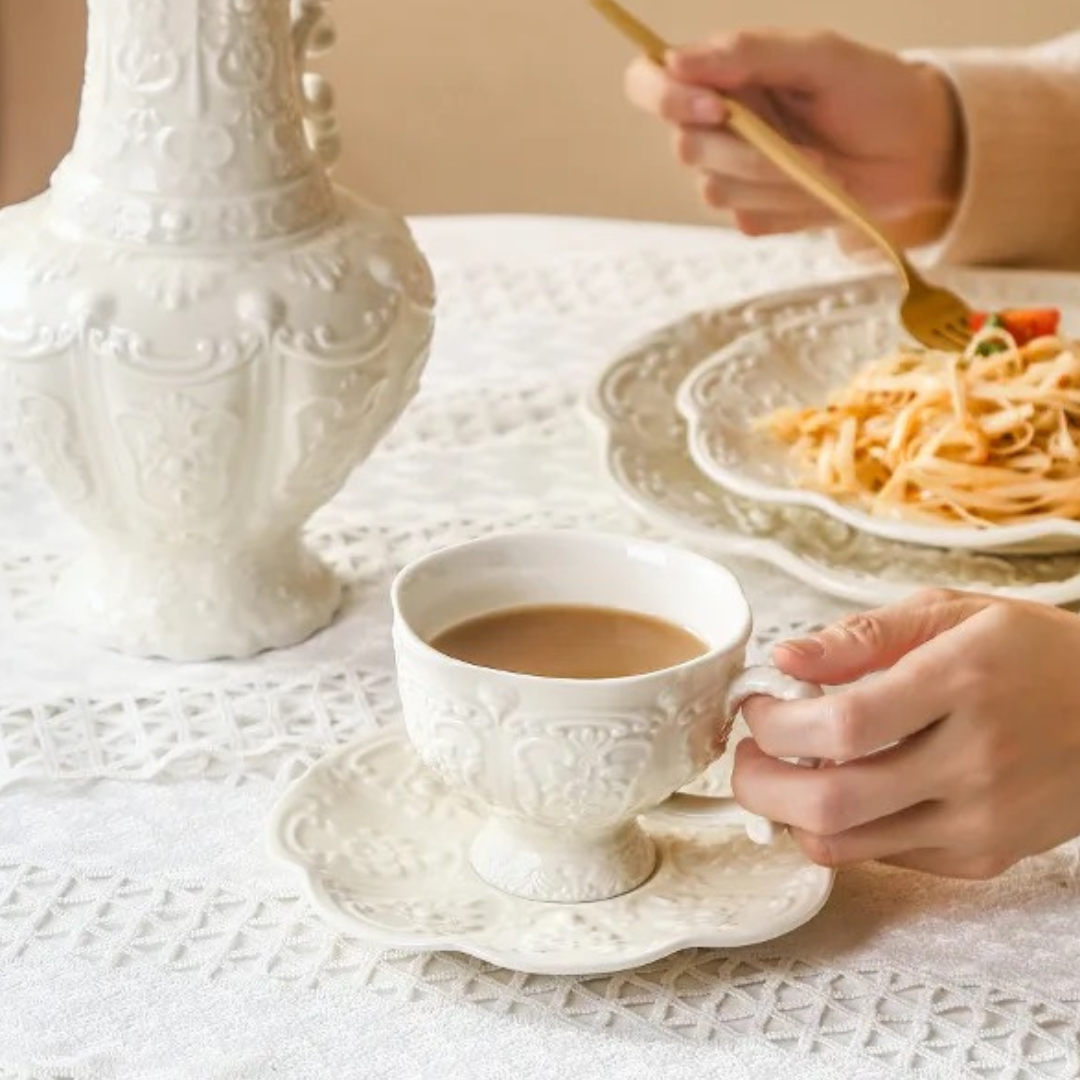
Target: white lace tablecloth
(144,933)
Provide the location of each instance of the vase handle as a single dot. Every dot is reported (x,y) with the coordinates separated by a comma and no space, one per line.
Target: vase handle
(313,34)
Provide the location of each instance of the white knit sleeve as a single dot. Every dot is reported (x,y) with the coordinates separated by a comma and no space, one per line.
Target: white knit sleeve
(1021,195)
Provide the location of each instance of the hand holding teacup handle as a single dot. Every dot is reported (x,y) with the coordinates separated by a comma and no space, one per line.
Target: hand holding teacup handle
(770,682)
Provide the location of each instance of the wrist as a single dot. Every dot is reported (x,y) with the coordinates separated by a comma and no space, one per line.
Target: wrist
(946,153)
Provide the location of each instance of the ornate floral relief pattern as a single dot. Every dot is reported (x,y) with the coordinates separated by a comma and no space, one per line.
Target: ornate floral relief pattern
(420,916)
(182,453)
(552,931)
(307,830)
(558,868)
(205,101)
(324,346)
(586,769)
(148,63)
(196,150)
(373,854)
(447,733)
(35,341)
(395,265)
(176,285)
(297,208)
(333,432)
(705,723)
(44,266)
(323,269)
(558,766)
(137,128)
(413,791)
(46,435)
(246,62)
(209,359)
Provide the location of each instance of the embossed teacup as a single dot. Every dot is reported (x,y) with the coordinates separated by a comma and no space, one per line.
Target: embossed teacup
(563,768)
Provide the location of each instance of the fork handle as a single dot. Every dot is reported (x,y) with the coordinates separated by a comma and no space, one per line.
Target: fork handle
(787,158)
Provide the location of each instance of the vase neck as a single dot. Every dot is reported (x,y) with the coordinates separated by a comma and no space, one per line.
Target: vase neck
(190,130)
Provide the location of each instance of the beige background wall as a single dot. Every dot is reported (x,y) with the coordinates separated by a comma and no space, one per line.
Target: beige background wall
(497,105)
(516,104)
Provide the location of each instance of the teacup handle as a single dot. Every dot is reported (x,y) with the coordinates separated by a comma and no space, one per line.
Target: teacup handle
(770,682)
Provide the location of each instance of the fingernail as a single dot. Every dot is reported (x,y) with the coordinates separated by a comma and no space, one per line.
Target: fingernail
(808,648)
(706,109)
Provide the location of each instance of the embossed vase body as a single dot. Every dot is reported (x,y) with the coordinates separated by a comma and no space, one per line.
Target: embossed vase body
(200,336)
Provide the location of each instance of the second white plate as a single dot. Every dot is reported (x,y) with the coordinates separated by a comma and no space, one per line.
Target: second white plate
(645,452)
(798,364)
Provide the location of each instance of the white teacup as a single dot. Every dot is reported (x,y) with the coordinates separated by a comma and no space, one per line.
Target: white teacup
(564,767)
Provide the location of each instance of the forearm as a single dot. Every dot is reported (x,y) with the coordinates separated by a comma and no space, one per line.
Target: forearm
(42,43)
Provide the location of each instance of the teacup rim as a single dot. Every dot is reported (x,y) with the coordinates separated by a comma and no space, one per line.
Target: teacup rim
(740,636)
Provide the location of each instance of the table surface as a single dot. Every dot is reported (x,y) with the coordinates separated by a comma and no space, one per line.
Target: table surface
(145,933)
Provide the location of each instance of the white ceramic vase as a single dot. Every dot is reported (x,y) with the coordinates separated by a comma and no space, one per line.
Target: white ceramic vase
(200,335)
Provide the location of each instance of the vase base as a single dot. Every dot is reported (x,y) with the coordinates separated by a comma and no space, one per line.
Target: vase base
(194,607)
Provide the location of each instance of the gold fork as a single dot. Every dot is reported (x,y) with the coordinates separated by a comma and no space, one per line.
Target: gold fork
(935,317)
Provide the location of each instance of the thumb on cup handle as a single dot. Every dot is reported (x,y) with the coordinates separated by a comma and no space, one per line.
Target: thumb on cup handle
(770,682)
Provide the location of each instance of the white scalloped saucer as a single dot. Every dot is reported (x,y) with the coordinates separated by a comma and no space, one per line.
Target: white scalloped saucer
(383,847)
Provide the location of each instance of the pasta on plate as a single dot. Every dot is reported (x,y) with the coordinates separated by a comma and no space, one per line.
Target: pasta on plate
(988,437)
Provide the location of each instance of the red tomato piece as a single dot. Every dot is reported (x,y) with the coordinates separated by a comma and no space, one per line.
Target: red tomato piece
(1025,324)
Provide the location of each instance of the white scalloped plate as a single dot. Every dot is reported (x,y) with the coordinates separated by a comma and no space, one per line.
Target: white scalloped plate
(645,452)
(383,848)
(798,364)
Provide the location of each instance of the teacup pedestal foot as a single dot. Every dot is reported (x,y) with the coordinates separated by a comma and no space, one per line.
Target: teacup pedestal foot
(552,866)
(199,603)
